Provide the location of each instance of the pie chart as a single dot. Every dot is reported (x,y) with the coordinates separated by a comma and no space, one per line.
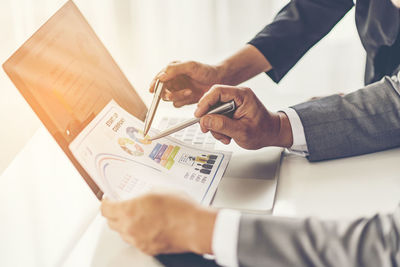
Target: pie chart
(130,147)
(137,135)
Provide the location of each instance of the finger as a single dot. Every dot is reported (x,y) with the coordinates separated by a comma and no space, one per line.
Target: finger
(111,209)
(182,103)
(219,93)
(180,95)
(221,124)
(114,224)
(166,95)
(160,74)
(177,68)
(129,239)
(207,101)
(203,128)
(153,82)
(222,138)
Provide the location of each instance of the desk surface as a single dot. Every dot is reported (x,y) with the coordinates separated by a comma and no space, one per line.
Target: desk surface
(50,216)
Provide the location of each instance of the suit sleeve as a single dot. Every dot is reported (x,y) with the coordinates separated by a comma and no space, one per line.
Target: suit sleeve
(282,242)
(365,121)
(295,29)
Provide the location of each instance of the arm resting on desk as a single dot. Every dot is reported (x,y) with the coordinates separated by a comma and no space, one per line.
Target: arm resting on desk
(365,121)
(366,242)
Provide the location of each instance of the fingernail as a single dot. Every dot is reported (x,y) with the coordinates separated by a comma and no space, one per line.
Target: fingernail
(162,75)
(197,113)
(187,93)
(167,95)
(207,121)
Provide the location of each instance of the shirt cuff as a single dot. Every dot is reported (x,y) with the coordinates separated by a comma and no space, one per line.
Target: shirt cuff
(299,138)
(225,238)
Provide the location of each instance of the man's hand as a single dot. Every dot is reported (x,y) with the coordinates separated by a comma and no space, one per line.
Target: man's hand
(162,223)
(186,82)
(252,125)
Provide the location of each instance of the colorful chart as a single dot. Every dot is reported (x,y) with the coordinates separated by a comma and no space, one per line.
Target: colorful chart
(203,163)
(130,147)
(164,155)
(137,135)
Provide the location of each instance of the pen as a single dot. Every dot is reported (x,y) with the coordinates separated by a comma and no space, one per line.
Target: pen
(154,104)
(225,108)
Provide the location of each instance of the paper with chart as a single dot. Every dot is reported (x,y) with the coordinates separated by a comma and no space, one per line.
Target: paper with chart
(124,163)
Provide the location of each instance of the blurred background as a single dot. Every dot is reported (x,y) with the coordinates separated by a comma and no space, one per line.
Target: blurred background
(145,35)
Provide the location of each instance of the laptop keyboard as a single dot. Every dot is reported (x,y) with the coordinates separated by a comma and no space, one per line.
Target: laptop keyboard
(191,135)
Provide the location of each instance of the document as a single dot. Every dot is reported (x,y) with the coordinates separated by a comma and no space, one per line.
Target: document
(124,163)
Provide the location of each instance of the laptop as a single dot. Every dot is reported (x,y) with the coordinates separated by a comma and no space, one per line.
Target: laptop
(67,76)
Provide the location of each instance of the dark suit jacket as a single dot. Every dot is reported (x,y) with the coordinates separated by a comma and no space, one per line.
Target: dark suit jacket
(302,23)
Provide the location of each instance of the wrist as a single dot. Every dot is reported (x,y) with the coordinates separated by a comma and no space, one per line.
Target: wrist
(222,73)
(202,235)
(243,65)
(285,131)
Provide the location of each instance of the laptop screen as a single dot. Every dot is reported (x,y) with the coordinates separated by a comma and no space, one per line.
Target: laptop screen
(67,76)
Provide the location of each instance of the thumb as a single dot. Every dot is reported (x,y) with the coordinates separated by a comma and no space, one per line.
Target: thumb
(220,124)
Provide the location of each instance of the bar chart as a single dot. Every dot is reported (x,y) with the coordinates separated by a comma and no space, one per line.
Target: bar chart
(164,154)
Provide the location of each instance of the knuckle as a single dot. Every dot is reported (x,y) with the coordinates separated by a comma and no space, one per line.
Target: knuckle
(193,66)
(169,68)
(214,87)
(240,100)
(219,124)
(246,90)
(218,88)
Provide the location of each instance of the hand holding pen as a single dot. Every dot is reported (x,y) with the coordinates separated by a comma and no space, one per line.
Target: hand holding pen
(252,125)
(186,82)
(218,108)
(221,108)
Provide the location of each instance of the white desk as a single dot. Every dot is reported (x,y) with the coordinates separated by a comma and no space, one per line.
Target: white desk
(47,210)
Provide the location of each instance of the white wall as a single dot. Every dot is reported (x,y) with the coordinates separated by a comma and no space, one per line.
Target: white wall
(143,36)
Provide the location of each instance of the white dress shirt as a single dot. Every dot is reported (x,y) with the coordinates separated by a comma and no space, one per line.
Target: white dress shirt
(226,229)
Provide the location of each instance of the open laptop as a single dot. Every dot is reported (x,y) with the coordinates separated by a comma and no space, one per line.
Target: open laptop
(67,76)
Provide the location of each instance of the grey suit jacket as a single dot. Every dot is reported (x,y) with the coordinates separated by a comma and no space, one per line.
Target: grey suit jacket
(365,121)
